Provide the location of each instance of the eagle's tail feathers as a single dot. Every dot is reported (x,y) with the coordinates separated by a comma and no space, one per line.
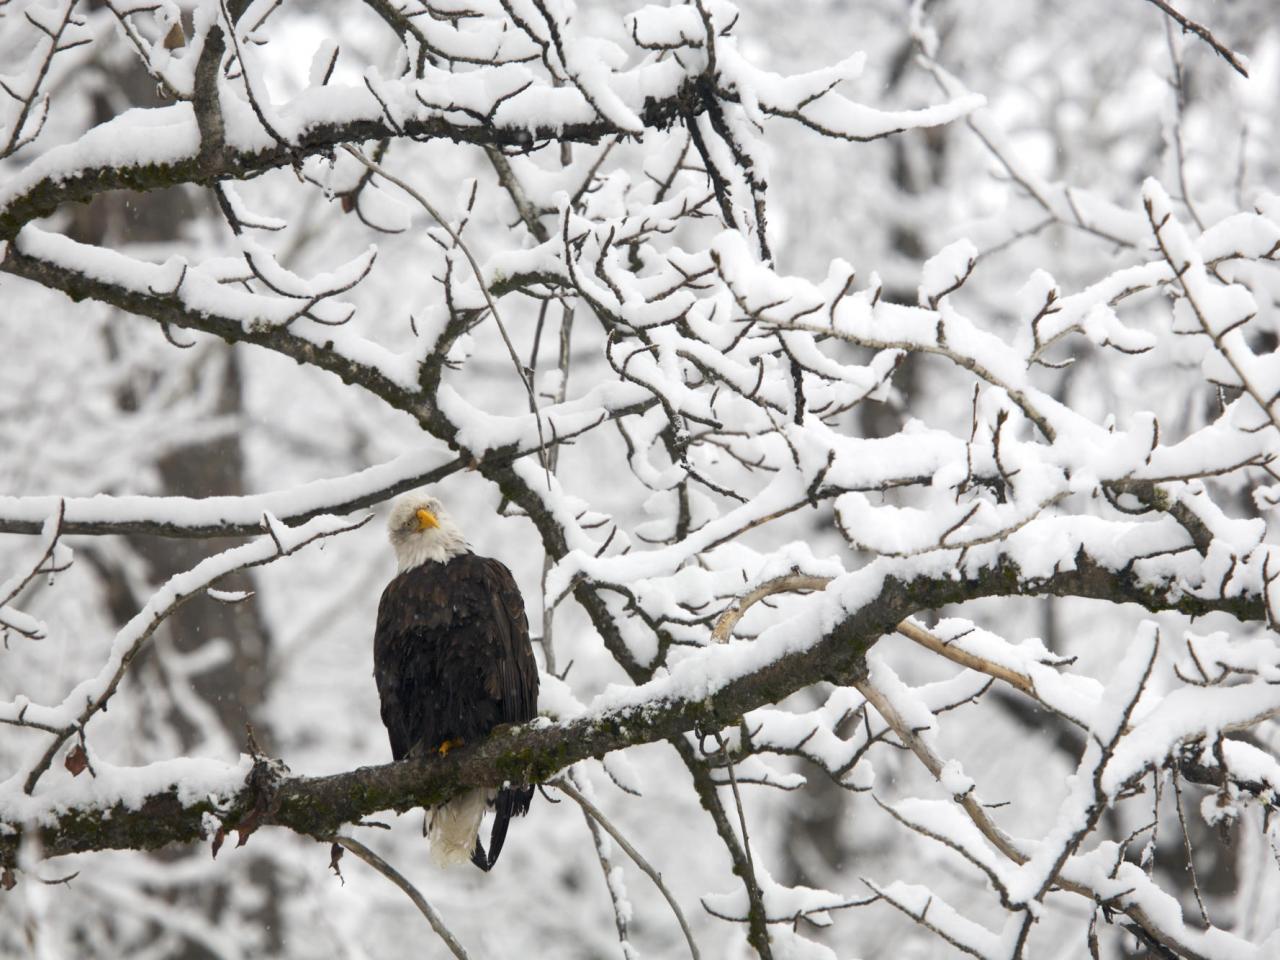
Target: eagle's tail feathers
(498,835)
(454,828)
(479,857)
(510,803)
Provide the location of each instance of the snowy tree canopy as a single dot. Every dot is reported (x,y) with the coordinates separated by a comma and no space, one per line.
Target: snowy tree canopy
(879,410)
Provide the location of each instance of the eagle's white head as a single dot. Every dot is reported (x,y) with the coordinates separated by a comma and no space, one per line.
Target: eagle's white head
(421,531)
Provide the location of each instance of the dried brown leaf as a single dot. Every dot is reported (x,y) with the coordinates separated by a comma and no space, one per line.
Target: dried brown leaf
(175,38)
(77,760)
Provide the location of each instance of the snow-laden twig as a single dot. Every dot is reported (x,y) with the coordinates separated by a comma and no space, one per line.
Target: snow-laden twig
(936,915)
(1221,312)
(1129,890)
(228,516)
(15,620)
(458,243)
(1033,674)
(1088,797)
(56,31)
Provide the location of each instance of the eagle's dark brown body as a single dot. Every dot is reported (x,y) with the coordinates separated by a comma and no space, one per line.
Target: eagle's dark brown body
(452,660)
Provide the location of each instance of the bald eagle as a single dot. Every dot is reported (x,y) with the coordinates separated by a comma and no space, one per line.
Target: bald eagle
(452,660)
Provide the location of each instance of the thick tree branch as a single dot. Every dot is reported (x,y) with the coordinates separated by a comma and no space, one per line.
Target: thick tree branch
(208,166)
(319,806)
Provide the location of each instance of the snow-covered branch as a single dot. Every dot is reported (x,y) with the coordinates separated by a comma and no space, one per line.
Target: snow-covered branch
(91,696)
(581,272)
(707,691)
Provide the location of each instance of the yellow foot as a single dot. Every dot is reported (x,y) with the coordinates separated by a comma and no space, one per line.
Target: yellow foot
(448,745)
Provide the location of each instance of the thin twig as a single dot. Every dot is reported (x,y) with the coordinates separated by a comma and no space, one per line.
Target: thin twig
(419,901)
(998,838)
(742,815)
(551,461)
(52,529)
(1204,34)
(563,784)
(1186,845)
(612,882)
(1180,105)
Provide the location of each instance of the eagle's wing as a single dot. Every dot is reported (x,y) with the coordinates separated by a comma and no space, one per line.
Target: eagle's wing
(513,674)
(391,643)
(513,681)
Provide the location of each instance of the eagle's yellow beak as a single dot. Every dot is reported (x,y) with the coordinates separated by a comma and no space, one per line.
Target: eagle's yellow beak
(427,519)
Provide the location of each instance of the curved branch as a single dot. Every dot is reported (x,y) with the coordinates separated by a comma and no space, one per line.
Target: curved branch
(419,901)
(1203,32)
(785,584)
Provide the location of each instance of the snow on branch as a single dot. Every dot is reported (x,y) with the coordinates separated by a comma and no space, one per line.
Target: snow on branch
(24,104)
(707,691)
(91,696)
(1016,869)
(51,558)
(198,297)
(224,128)
(1238,63)
(797,465)
(229,516)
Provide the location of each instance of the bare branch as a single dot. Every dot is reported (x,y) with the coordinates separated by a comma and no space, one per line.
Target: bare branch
(412,892)
(1204,34)
(591,810)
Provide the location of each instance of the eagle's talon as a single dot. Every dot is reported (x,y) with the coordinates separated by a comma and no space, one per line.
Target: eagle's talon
(448,745)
